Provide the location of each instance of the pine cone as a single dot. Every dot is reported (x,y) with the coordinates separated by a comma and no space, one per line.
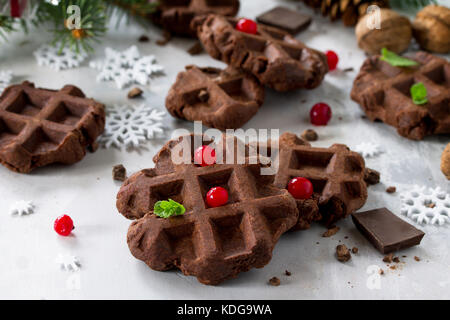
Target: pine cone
(348,10)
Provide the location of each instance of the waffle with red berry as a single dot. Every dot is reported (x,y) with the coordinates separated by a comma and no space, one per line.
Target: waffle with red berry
(222,99)
(336,173)
(214,240)
(383,92)
(176,15)
(39,127)
(273,56)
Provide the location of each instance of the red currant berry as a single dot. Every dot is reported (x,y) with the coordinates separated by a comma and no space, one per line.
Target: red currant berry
(300,188)
(216,197)
(16,10)
(333,59)
(320,114)
(247,26)
(205,156)
(63,225)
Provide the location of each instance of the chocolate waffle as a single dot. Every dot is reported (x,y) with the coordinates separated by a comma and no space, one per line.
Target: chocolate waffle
(213,244)
(337,175)
(175,16)
(383,92)
(222,99)
(40,127)
(273,56)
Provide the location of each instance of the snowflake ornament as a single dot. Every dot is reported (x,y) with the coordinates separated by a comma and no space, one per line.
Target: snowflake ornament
(131,126)
(426,205)
(50,57)
(368,149)
(5,79)
(22,208)
(127,67)
(68,262)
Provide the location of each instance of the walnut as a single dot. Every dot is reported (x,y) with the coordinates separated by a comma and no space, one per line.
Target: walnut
(431,28)
(395,33)
(445,161)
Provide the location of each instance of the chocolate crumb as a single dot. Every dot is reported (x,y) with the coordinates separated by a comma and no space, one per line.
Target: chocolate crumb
(274,282)
(348,69)
(355,250)
(430,205)
(396,260)
(330,232)
(310,135)
(404,256)
(393,267)
(119,173)
(416,258)
(196,49)
(167,36)
(203,96)
(371,176)
(346,237)
(381,271)
(391,189)
(388,258)
(288,273)
(342,253)
(144,38)
(134,93)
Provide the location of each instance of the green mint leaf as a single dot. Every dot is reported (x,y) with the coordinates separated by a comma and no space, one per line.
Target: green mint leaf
(419,93)
(395,60)
(167,209)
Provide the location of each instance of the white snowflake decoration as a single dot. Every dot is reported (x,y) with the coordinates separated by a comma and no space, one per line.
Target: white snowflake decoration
(368,149)
(5,79)
(127,67)
(22,208)
(426,205)
(131,126)
(68,262)
(49,56)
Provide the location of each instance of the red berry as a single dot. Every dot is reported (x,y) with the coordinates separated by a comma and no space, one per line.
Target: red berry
(300,188)
(216,197)
(320,114)
(333,59)
(247,26)
(205,156)
(63,225)
(16,10)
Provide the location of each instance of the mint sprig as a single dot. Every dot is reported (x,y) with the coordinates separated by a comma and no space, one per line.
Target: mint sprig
(419,93)
(395,60)
(166,209)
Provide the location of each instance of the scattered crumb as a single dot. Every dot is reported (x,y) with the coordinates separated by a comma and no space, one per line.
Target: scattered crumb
(348,69)
(330,232)
(310,135)
(134,93)
(391,189)
(393,267)
(203,96)
(404,256)
(317,242)
(346,237)
(303,101)
(416,258)
(167,36)
(396,260)
(119,173)
(388,258)
(381,272)
(196,49)
(430,205)
(339,118)
(342,253)
(288,273)
(144,38)
(274,282)
(371,176)
(355,250)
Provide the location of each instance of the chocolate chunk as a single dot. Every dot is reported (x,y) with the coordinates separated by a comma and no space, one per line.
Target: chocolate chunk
(287,273)
(330,232)
(388,258)
(119,173)
(391,189)
(144,38)
(371,176)
(274,282)
(134,93)
(355,250)
(309,135)
(289,20)
(386,231)
(196,48)
(342,253)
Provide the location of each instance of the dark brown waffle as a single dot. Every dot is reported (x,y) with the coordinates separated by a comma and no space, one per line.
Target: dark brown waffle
(213,244)
(176,15)
(273,56)
(383,91)
(39,126)
(337,175)
(223,99)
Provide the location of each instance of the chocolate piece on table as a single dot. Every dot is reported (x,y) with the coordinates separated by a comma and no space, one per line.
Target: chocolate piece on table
(135,93)
(337,175)
(39,127)
(119,173)
(176,15)
(371,176)
(213,244)
(222,99)
(310,135)
(289,20)
(273,56)
(383,92)
(343,253)
(386,231)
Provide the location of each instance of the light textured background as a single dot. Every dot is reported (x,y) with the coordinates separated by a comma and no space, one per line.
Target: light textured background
(85,191)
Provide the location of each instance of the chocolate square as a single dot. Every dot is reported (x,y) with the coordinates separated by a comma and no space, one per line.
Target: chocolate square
(289,20)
